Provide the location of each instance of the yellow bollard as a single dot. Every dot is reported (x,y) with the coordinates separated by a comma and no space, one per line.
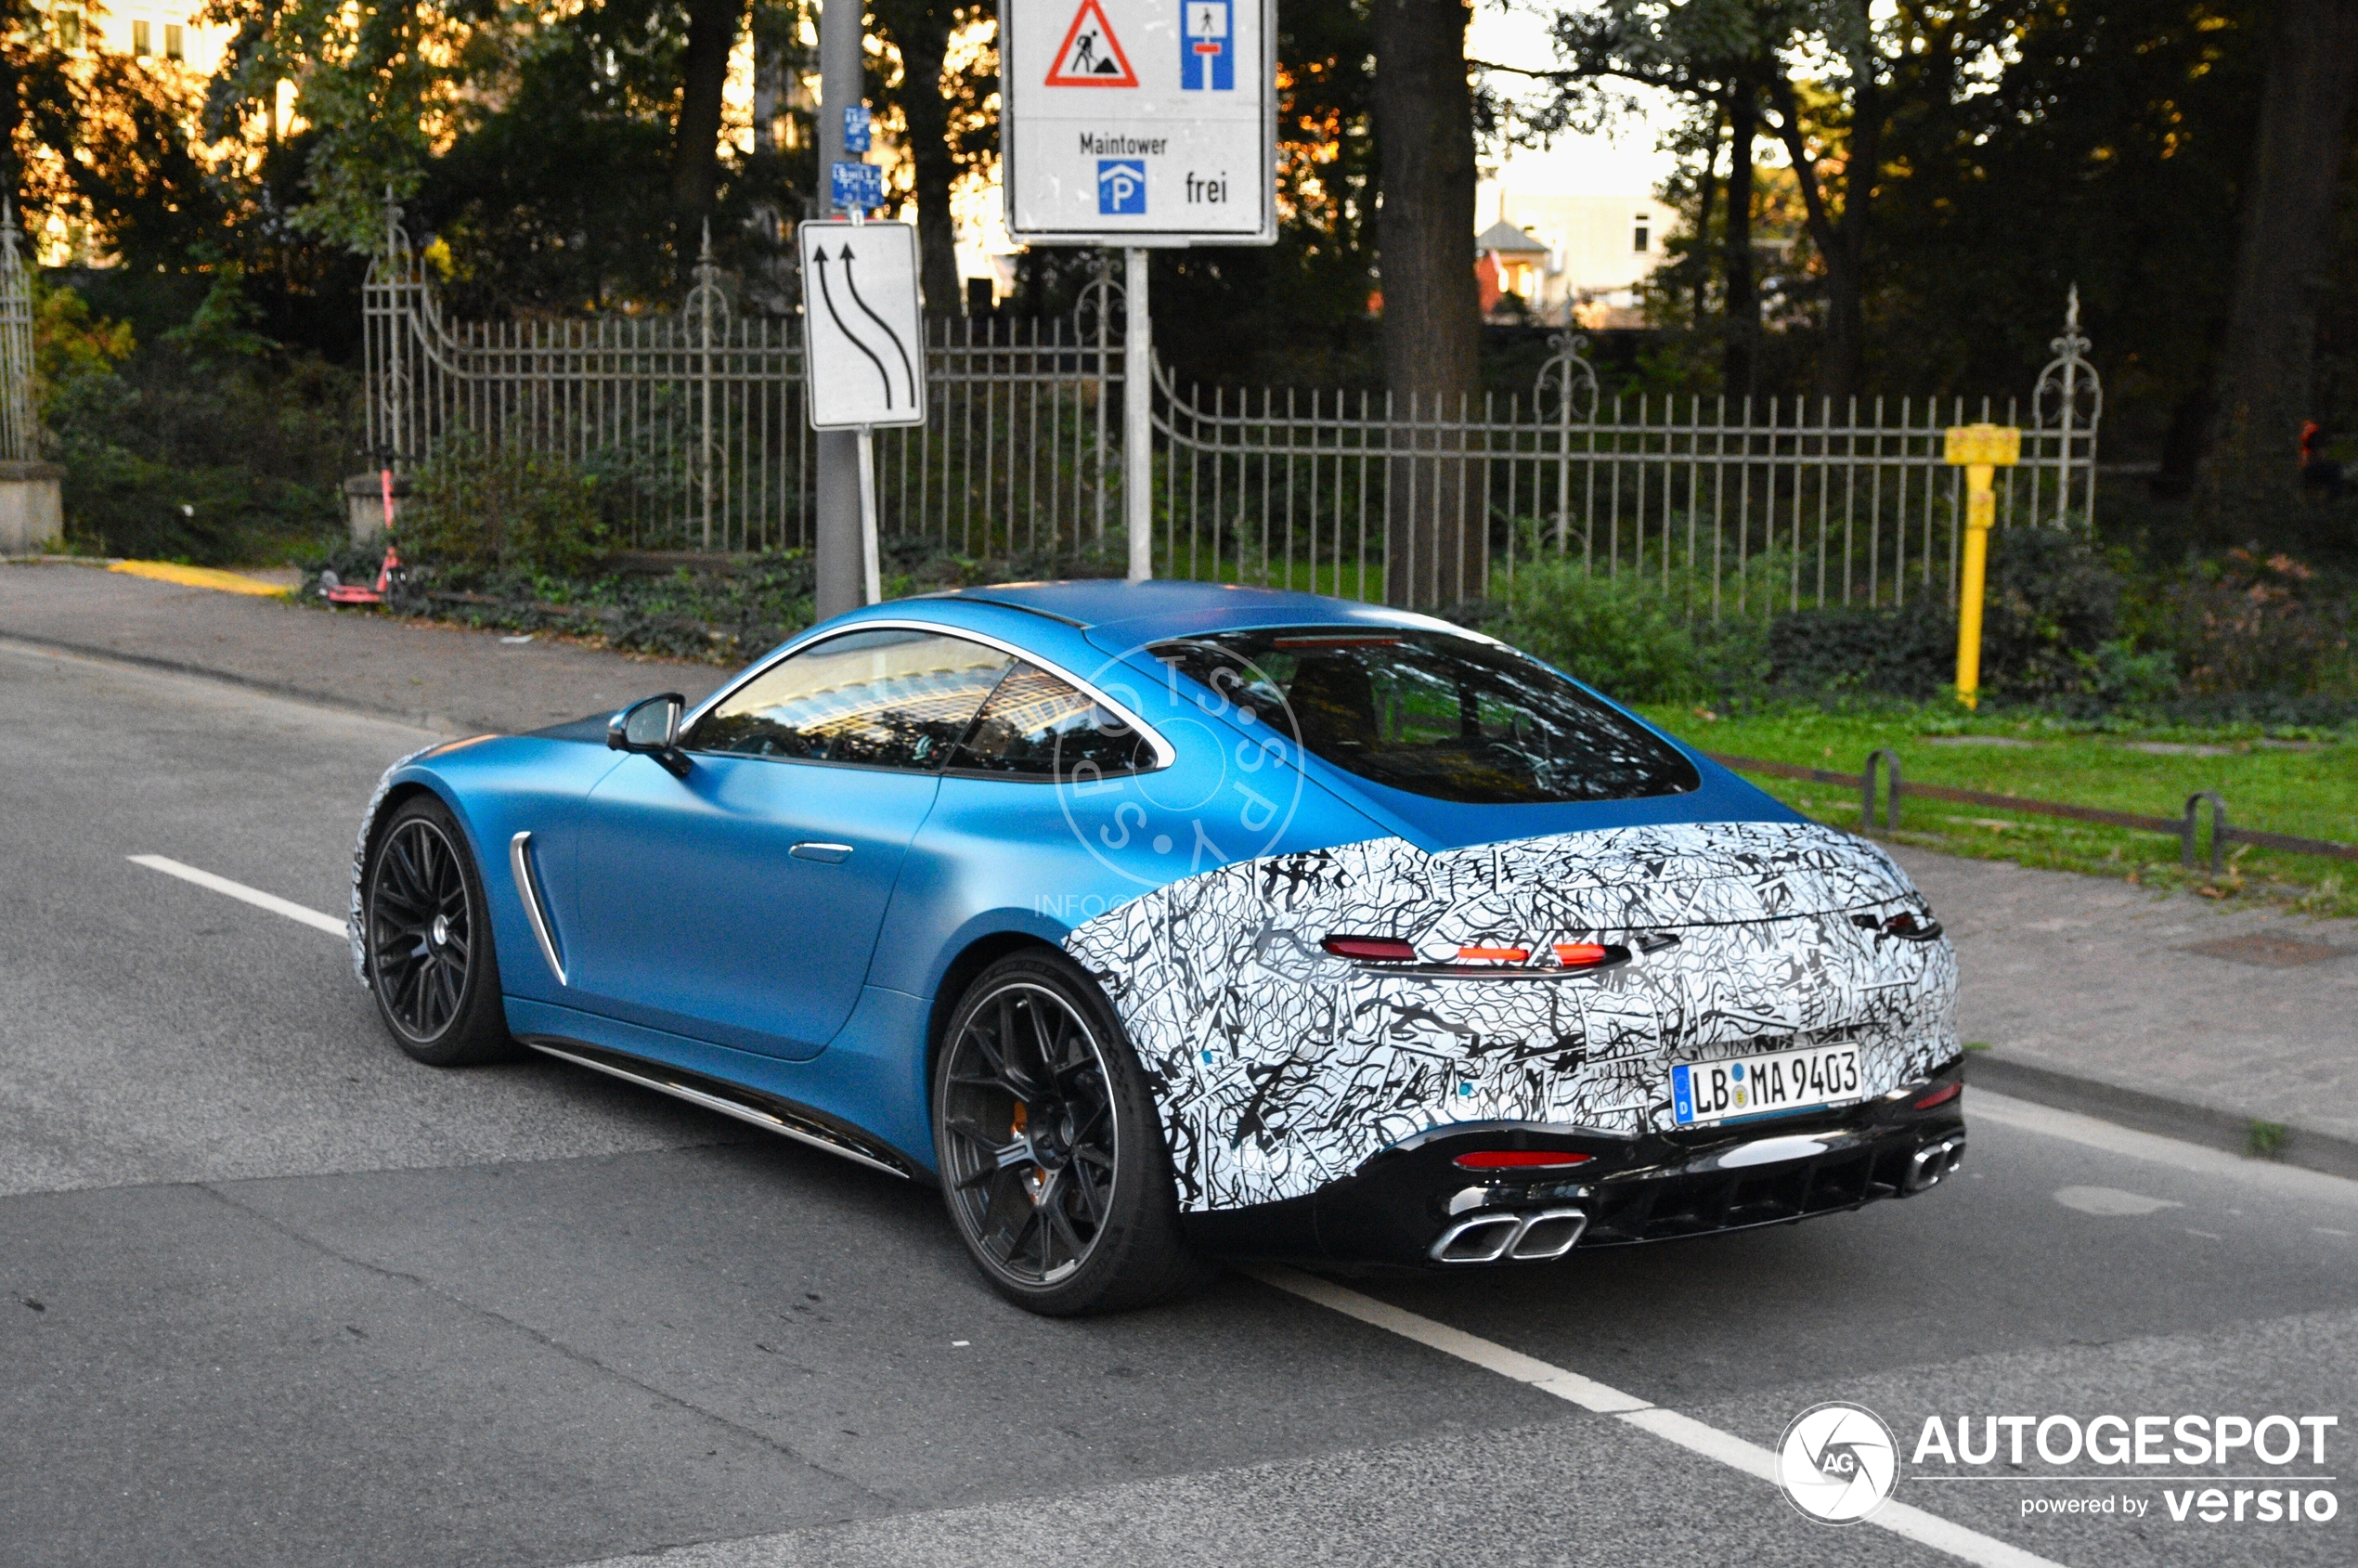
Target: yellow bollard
(1980,450)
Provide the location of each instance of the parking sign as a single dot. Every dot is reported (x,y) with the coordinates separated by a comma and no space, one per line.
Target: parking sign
(1145,122)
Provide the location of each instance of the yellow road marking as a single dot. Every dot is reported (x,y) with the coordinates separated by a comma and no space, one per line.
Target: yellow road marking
(198,576)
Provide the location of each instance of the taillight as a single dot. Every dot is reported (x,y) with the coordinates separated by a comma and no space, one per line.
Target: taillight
(1519,1160)
(1495,954)
(1939,1097)
(1375,949)
(1582,956)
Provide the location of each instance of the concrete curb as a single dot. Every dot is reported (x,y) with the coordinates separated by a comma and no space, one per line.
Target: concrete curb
(2208,1125)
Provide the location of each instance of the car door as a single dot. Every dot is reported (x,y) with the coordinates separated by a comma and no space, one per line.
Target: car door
(740,903)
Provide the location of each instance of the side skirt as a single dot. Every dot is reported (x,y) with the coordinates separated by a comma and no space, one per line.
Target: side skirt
(769,1113)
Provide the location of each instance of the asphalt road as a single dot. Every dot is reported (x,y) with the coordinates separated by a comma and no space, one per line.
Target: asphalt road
(270,1293)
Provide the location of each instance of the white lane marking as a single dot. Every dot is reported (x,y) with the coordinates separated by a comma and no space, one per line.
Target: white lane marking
(2110,1202)
(238,891)
(1924,1529)
(2284,1181)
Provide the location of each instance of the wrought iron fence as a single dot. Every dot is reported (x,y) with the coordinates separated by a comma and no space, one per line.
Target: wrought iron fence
(693,423)
(1736,505)
(20,437)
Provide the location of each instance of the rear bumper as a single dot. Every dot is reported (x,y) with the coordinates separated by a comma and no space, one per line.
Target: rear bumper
(1413,1207)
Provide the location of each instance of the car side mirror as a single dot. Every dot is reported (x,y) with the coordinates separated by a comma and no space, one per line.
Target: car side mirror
(651,726)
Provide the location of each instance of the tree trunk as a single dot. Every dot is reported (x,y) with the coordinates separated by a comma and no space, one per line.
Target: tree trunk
(2250,476)
(921,31)
(1743,297)
(1707,193)
(695,145)
(1841,244)
(1436,552)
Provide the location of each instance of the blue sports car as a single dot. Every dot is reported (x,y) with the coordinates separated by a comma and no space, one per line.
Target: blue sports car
(1159,922)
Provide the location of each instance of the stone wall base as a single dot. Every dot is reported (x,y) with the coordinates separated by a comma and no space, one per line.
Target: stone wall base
(32,513)
(364,504)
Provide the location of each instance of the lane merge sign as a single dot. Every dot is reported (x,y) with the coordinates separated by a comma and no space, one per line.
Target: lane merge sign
(1148,123)
(862,326)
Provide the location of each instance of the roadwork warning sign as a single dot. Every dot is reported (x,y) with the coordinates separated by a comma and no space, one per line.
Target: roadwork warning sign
(1139,122)
(1091,56)
(863,329)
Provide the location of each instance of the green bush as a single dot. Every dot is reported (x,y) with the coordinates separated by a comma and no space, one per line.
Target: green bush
(2248,623)
(479,507)
(209,444)
(1628,634)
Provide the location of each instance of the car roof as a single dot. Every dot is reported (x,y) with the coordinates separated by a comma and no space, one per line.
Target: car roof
(1145,611)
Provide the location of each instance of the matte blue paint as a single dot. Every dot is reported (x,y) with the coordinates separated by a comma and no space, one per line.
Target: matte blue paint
(697,919)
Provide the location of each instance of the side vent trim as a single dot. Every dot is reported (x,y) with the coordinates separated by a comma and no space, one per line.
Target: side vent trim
(528,889)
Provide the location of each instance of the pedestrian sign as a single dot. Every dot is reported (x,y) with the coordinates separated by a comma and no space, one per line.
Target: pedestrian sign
(1208,48)
(1149,122)
(1091,54)
(863,330)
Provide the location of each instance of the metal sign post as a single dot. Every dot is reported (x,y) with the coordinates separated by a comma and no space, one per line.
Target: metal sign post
(863,346)
(837,497)
(1143,124)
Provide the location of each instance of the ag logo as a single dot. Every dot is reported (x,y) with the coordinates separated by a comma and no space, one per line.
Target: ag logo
(1837,1462)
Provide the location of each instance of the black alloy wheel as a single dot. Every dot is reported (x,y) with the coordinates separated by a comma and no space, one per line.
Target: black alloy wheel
(427,945)
(1052,1156)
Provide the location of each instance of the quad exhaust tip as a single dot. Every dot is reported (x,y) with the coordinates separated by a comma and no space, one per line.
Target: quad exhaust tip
(1527,1239)
(1933,1161)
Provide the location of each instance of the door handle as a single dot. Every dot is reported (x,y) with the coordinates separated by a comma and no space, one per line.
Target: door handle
(830,854)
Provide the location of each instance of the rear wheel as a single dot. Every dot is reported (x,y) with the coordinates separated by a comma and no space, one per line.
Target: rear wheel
(1052,1155)
(428,940)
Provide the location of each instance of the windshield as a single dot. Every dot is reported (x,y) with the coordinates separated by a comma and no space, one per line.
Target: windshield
(1436,715)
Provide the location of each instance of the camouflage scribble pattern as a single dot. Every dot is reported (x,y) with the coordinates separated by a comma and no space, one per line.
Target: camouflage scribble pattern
(1280,1067)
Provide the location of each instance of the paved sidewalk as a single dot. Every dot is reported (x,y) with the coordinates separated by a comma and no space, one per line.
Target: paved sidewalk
(2088,991)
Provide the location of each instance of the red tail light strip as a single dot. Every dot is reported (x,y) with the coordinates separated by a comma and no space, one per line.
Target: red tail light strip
(1519,1160)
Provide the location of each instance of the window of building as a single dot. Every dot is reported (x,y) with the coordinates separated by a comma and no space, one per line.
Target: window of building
(140,43)
(174,49)
(1643,238)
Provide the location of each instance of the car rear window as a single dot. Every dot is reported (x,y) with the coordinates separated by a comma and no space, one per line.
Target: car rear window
(1434,714)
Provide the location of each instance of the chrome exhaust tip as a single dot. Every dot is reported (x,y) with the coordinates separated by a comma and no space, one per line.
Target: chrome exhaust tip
(1933,1161)
(1487,1238)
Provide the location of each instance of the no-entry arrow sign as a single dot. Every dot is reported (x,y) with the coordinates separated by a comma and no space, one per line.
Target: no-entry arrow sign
(863,328)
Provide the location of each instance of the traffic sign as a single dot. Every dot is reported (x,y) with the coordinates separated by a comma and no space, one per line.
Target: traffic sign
(863,330)
(853,185)
(1139,122)
(856,123)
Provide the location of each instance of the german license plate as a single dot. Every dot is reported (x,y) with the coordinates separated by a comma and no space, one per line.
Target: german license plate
(1783,1081)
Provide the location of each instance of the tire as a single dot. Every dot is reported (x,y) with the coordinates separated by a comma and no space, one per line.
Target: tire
(1051,1155)
(428,940)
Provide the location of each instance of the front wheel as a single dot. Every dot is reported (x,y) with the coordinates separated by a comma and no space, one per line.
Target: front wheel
(1052,1155)
(428,940)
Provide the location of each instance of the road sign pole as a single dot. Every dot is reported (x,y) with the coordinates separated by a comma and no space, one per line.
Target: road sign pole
(1137,419)
(842,504)
(871,568)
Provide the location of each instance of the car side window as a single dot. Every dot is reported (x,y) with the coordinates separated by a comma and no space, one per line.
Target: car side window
(886,698)
(1036,726)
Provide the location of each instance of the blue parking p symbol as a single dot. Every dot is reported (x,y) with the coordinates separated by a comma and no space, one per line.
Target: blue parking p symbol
(1122,188)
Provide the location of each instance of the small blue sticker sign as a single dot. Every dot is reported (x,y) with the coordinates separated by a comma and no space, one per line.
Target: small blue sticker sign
(855,127)
(858,185)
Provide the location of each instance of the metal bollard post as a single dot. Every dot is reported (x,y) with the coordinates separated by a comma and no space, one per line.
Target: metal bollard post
(1980,450)
(2218,830)
(1891,807)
